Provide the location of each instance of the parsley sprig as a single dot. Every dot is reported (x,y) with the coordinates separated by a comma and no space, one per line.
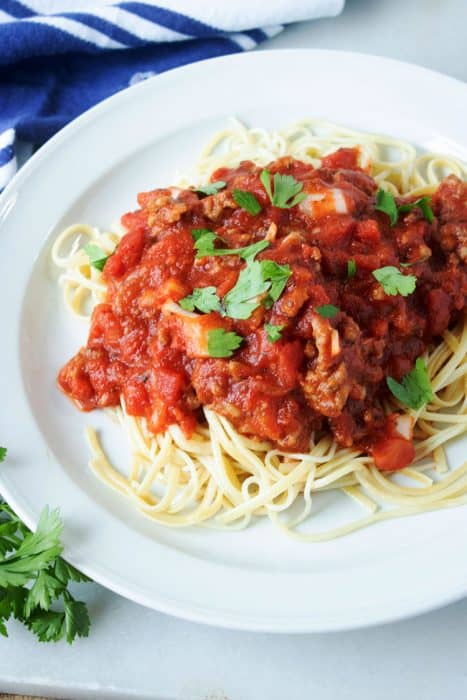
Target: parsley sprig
(97,257)
(247,200)
(327,310)
(222,343)
(204,245)
(34,578)
(415,389)
(274,333)
(287,190)
(211,187)
(204,299)
(394,282)
(386,203)
(259,282)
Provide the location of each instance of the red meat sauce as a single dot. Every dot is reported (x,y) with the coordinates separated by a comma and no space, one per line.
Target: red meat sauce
(324,374)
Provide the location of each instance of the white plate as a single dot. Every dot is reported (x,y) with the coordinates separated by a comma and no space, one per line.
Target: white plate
(256,579)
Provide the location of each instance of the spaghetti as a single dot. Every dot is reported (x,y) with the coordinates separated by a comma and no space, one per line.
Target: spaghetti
(221,477)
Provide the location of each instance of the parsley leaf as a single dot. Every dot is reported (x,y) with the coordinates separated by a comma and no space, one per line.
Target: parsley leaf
(76,619)
(394,282)
(274,333)
(48,626)
(65,572)
(243,299)
(415,389)
(204,244)
(45,590)
(211,187)
(96,255)
(247,201)
(327,310)
(415,262)
(386,203)
(257,278)
(351,269)
(278,275)
(223,343)
(204,299)
(3,453)
(424,204)
(287,190)
(32,558)
(204,241)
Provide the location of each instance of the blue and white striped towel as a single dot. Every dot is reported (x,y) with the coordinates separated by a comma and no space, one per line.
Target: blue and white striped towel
(60,57)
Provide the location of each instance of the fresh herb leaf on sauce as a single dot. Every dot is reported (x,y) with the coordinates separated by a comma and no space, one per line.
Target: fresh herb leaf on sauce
(424,204)
(204,299)
(274,333)
(327,310)
(3,453)
(278,275)
(287,190)
(415,262)
(247,201)
(223,343)
(211,187)
(96,255)
(257,278)
(386,203)
(205,247)
(394,282)
(351,269)
(244,297)
(204,241)
(415,389)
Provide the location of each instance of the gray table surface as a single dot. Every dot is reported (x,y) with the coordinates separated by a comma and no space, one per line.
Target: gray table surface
(136,653)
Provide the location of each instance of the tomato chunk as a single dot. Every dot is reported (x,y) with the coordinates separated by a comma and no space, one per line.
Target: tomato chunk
(393,453)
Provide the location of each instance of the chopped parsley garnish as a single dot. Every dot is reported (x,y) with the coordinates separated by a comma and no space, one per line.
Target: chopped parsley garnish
(211,187)
(351,269)
(415,262)
(243,298)
(204,244)
(257,278)
(386,203)
(96,255)
(222,343)
(327,310)
(287,190)
(278,275)
(204,241)
(247,201)
(415,389)
(394,282)
(204,299)
(424,204)
(3,453)
(274,333)
(33,578)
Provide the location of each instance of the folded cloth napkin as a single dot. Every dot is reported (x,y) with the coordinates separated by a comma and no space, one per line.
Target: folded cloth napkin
(60,57)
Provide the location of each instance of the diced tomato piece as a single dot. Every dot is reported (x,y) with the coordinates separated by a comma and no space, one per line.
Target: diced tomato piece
(134,220)
(127,255)
(342,158)
(368,231)
(135,396)
(168,384)
(393,453)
